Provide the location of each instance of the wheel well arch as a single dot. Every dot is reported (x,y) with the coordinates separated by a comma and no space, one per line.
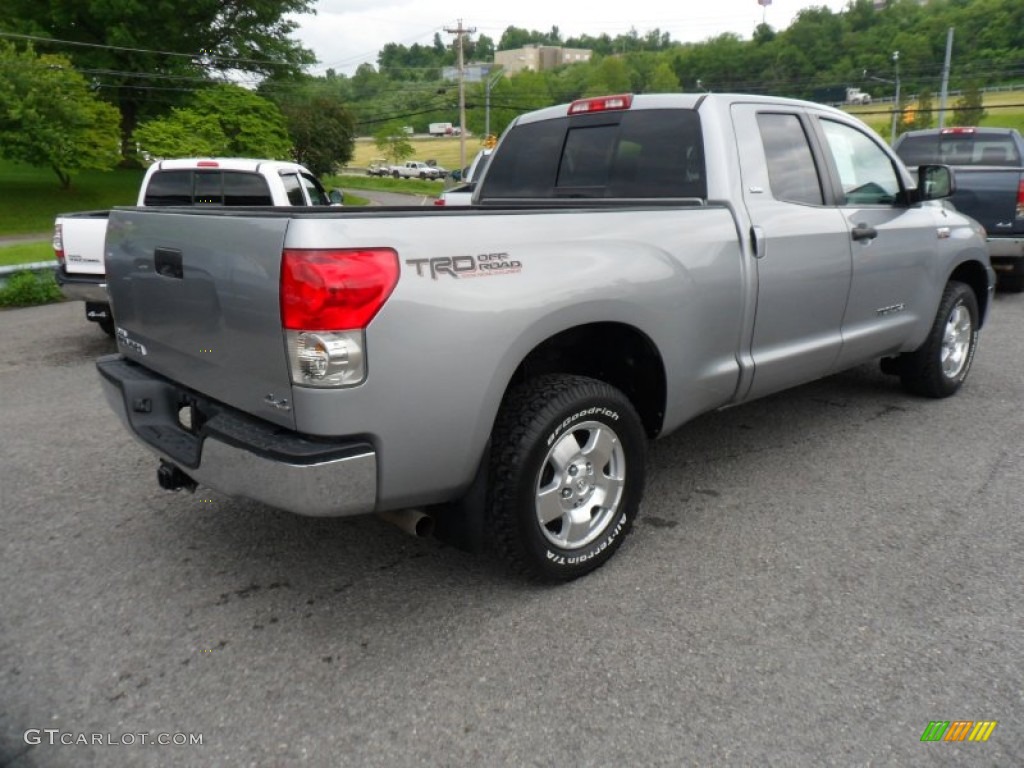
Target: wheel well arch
(973,274)
(616,353)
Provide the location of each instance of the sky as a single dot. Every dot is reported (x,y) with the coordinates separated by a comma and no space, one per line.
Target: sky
(346,33)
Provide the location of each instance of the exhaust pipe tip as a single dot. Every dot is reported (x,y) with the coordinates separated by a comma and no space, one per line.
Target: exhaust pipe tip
(171,478)
(415,522)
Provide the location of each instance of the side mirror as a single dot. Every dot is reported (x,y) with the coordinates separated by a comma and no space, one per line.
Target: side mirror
(934,182)
(336,196)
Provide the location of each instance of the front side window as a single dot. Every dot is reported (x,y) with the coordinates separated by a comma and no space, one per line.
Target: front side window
(293,189)
(865,171)
(316,193)
(792,174)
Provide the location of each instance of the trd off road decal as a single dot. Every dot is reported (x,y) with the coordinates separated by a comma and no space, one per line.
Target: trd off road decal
(481,265)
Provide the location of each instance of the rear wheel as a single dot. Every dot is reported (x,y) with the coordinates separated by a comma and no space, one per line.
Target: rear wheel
(567,476)
(939,366)
(396,174)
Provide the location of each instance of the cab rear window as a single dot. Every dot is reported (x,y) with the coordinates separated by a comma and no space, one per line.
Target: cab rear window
(205,187)
(966,148)
(648,153)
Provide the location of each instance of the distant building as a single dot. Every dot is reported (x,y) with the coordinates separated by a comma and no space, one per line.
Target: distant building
(540,57)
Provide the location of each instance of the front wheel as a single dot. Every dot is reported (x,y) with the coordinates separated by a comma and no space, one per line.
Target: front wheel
(566,476)
(940,366)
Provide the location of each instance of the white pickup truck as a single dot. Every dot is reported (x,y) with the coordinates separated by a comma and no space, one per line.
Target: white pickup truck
(462,194)
(416,169)
(78,237)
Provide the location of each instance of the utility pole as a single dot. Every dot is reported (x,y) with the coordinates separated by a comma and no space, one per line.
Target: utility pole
(945,79)
(896,111)
(459,31)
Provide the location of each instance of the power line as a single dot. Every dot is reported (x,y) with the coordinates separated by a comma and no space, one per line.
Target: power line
(103,46)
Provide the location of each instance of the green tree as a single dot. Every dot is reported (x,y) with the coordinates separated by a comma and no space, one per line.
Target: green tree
(320,127)
(969,108)
(663,80)
(49,117)
(223,120)
(145,55)
(392,143)
(484,49)
(610,75)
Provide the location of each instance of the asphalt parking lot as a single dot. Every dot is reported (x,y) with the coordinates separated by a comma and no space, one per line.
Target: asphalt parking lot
(814,578)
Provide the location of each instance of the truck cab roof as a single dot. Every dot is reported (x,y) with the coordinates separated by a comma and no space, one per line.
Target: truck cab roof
(227,164)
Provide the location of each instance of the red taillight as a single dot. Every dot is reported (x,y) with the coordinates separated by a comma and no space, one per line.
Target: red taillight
(335,289)
(1020,199)
(207,164)
(58,244)
(439,201)
(956,131)
(601,104)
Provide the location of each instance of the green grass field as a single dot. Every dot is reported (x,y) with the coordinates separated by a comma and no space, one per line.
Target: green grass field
(26,253)
(32,196)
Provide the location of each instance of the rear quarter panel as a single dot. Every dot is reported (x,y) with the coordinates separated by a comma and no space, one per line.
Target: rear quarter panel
(443,349)
(83,235)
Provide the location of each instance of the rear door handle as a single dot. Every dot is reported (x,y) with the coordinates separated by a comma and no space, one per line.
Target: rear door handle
(864,232)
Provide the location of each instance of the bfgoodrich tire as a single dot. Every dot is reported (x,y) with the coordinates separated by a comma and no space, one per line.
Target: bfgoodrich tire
(566,476)
(940,366)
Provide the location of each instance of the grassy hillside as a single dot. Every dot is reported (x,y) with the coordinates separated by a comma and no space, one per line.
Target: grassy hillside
(1005,110)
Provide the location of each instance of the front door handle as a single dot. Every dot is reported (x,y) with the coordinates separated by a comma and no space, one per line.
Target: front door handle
(864,232)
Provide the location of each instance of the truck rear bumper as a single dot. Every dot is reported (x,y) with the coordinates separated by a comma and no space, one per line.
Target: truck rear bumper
(234,453)
(91,288)
(1003,250)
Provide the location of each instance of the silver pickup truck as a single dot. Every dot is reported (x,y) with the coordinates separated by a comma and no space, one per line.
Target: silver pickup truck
(630,262)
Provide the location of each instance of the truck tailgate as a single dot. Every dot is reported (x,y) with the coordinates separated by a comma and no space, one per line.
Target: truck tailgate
(990,196)
(196,298)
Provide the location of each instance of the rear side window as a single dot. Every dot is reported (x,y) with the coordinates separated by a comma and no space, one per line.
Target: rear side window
(968,148)
(169,188)
(636,154)
(188,187)
(791,171)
